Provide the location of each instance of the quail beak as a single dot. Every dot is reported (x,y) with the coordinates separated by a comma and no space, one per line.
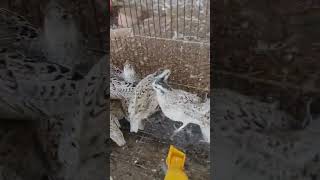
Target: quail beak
(164,75)
(160,84)
(159,71)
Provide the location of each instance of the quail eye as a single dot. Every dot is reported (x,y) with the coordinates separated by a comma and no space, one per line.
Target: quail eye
(64,16)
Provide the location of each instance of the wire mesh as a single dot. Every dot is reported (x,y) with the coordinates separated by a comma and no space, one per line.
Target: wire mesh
(173,19)
(171,34)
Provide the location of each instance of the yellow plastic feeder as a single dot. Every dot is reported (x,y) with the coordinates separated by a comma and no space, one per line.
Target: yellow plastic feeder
(175,163)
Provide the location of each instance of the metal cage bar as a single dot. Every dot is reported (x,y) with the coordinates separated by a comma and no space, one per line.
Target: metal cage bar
(186,20)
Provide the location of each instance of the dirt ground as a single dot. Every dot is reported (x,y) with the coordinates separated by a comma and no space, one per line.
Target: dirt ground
(143,157)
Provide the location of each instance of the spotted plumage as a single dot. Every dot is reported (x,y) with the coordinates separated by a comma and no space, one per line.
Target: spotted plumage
(17,32)
(120,89)
(143,102)
(59,41)
(236,113)
(68,107)
(119,107)
(128,73)
(115,71)
(122,82)
(62,134)
(182,106)
(61,116)
(261,141)
(37,82)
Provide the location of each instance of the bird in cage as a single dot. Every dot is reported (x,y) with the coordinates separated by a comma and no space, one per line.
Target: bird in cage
(122,83)
(62,41)
(54,97)
(59,40)
(19,33)
(60,34)
(115,71)
(143,102)
(128,73)
(38,88)
(119,87)
(179,105)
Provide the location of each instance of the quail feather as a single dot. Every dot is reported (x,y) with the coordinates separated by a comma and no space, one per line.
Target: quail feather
(179,105)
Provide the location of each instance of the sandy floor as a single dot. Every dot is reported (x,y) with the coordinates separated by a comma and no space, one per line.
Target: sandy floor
(143,158)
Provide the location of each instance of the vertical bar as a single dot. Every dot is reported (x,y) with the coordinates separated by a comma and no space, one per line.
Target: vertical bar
(159,18)
(133,30)
(184,17)
(208,19)
(96,23)
(177,18)
(148,18)
(125,13)
(165,18)
(144,32)
(107,40)
(171,18)
(135,4)
(154,23)
(207,7)
(146,46)
(198,22)
(191,16)
(121,23)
